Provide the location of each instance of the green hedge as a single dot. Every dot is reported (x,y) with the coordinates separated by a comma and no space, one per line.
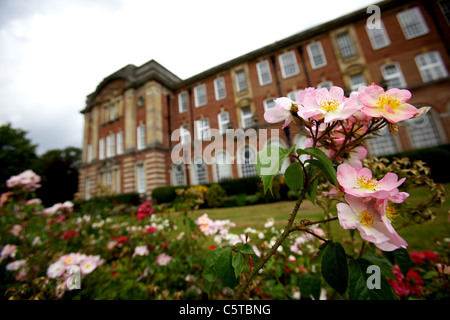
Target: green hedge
(437,158)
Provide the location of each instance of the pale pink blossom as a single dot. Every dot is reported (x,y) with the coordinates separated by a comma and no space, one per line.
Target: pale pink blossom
(16,265)
(284,107)
(27,181)
(15,230)
(359,183)
(141,251)
(88,265)
(355,156)
(391,105)
(8,250)
(330,105)
(56,269)
(362,214)
(163,259)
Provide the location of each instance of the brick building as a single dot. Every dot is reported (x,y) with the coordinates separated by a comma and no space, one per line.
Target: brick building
(131,115)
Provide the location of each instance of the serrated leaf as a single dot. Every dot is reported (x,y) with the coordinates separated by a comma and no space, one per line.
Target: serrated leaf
(310,285)
(334,267)
(244,248)
(294,177)
(238,264)
(326,166)
(384,264)
(209,271)
(322,169)
(225,269)
(358,288)
(269,162)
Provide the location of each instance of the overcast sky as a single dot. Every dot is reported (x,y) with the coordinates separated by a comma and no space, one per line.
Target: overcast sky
(53,53)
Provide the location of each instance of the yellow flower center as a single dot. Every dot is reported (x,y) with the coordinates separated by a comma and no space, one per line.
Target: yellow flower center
(367,218)
(391,213)
(368,183)
(330,105)
(389,101)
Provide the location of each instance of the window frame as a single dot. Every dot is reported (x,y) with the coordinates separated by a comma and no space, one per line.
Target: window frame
(262,73)
(182,102)
(371,33)
(200,94)
(399,75)
(349,45)
(219,85)
(431,66)
(239,82)
(140,137)
(223,125)
(283,66)
(311,55)
(415,16)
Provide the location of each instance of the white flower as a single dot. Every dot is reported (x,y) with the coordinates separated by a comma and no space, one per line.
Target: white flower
(56,269)
(140,251)
(16,265)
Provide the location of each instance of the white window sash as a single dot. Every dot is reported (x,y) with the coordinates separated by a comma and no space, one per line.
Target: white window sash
(101,149)
(200,95)
(219,88)
(289,65)
(379,38)
(223,122)
(315,50)
(119,142)
(264,75)
(241,81)
(412,23)
(182,102)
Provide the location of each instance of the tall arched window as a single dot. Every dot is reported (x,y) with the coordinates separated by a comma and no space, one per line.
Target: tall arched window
(423,131)
(199,171)
(178,175)
(222,166)
(248,160)
(383,144)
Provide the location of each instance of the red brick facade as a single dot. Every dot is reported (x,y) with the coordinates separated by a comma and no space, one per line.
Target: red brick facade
(146,98)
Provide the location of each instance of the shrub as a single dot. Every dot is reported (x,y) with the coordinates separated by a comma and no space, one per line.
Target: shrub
(215,196)
(248,185)
(165,194)
(252,199)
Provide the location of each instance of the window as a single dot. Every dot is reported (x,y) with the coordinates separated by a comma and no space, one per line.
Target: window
(200,95)
(224,121)
(412,22)
(140,178)
(248,160)
(316,55)
(119,140)
(378,37)
(101,149)
(87,188)
(199,171)
(178,176)
(203,131)
(325,84)
(219,88)
(182,102)
(140,101)
(89,153)
(431,66)
(293,95)
(264,75)
(357,80)
(141,137)
(110,145)
(393,75)
(222,166)
(346,45)
(247,117)
(112,112)
(445,8)
(241,81)
(185,135)
(269,103)
(383,144)
(109,180)
(288,63)
(423,131)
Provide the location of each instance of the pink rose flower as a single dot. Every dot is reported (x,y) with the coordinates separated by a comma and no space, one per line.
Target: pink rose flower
(390,105)
(358,213)
(281,112)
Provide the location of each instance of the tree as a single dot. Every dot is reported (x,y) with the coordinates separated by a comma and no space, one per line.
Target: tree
(59,174)
(17,153)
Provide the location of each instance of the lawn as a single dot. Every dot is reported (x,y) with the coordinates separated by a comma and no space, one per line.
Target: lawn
(419,236)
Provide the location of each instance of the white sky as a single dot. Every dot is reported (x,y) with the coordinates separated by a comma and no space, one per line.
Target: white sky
(53,53)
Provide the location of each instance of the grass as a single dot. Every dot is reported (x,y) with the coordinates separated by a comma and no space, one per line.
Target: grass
(419,236)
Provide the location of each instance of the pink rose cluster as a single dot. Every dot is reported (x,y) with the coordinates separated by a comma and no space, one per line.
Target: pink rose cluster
(212,227)
(26,181)
(332,105)
(59,208)
(87,264)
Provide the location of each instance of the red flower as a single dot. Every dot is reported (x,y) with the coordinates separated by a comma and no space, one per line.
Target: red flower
(405,286)
(66,235)
(164,245)
(144,210)
(151,229)
(114,274)
(419,257)
(123,239)
(141,215)
(212,248)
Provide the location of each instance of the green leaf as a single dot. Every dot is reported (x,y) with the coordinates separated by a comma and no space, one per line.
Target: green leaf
(384,264)
(238,264)
(322,168)
(401,258)
(326,166)
(244,248)
(209,271)
(310,285)
(269,162)
(358,288)
(294,176)
(225,269)
(334,267)
(312,188)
